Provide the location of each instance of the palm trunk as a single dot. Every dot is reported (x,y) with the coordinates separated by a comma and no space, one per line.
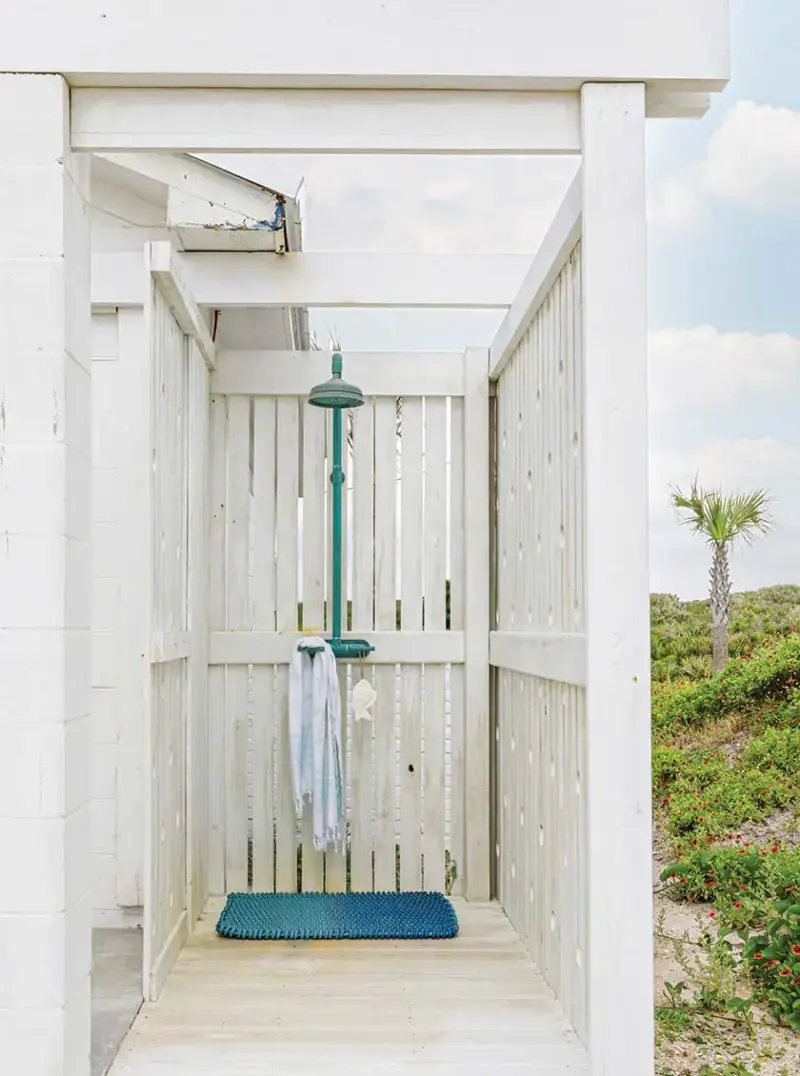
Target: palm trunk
(720,578)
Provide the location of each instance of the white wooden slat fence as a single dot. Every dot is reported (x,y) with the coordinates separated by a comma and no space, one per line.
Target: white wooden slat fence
(537,645)
(270,576)
(178,355)
(165,736)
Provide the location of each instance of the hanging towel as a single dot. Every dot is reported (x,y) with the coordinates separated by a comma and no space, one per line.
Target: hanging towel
(315,735)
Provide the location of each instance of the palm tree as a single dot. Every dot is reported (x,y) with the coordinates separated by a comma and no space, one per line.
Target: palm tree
(721,519)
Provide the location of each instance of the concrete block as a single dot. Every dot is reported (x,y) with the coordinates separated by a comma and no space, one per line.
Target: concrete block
(33,307)
(32,211)
(105,664)
(105,707)
(35,111)
(105,604)
(77,672)
(32,581)
(78,518)
(104,771)
(37,466)
(32,677)
(104,828)
(107,494)
(78,854)
(105,338)
(77,574)
(77,762)
(32,770)
(37,883)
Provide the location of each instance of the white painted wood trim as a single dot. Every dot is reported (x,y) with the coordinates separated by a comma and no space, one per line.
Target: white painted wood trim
(163,265)
(135,474)
(391,647)
(165,961)
(230,279)
(617,581)
(551,257)
(324,121)
(672,104)
(549,656)
(292,373)
(477,567)
(196,179)
(169,647)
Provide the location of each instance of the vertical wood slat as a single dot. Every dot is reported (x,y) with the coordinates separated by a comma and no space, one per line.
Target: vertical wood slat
(385,614)
(218,425)
(198,529)
(433,792)
(315,475)
(264,609)
(287,482)
(411,620)
(470,573)
(237,618)
(361,751)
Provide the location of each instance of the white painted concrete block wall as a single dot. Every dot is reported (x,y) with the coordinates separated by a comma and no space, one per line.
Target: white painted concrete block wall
(45,449)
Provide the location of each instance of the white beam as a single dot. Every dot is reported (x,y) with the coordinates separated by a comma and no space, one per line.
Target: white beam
(324,121)
(556,247)
(292,373)
(162,263)
(391,647)
(549,656)
(618,791)
(460,281)
(672,105)
(514,44)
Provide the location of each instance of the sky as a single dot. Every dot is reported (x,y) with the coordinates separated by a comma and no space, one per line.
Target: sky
(724,280)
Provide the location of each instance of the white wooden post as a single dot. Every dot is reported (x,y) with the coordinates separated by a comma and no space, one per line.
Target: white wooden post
(617,581)
(476,622)
(45,482)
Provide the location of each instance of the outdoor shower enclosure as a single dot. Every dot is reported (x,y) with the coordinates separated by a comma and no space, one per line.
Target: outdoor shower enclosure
(509,751)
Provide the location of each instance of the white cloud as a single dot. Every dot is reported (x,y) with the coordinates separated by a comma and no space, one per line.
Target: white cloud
(699,367)
(752,160)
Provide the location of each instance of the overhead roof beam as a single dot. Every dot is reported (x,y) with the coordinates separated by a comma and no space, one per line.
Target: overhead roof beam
(457,281)
(112,120)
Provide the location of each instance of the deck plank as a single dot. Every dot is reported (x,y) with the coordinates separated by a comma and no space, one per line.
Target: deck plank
(471,1006)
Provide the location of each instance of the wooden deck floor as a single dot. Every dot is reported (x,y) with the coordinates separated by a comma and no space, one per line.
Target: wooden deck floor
(471,1006)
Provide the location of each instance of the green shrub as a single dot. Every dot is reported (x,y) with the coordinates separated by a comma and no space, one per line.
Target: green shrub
(769,674)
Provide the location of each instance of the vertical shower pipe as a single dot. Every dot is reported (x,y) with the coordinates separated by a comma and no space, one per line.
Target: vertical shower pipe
(337,395)
(337,481)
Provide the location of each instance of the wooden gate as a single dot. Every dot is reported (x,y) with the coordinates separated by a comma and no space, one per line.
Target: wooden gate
(405,590)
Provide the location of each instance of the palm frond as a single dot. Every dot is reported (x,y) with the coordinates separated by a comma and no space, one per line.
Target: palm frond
(723,517)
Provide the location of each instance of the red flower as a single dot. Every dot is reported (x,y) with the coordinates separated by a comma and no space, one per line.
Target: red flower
(758,956)
(786,973)
(712,915)
(737,904)
(796,950)
(775,848)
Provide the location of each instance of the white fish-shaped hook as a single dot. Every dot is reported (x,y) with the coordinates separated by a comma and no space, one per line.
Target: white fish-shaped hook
(364,696)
